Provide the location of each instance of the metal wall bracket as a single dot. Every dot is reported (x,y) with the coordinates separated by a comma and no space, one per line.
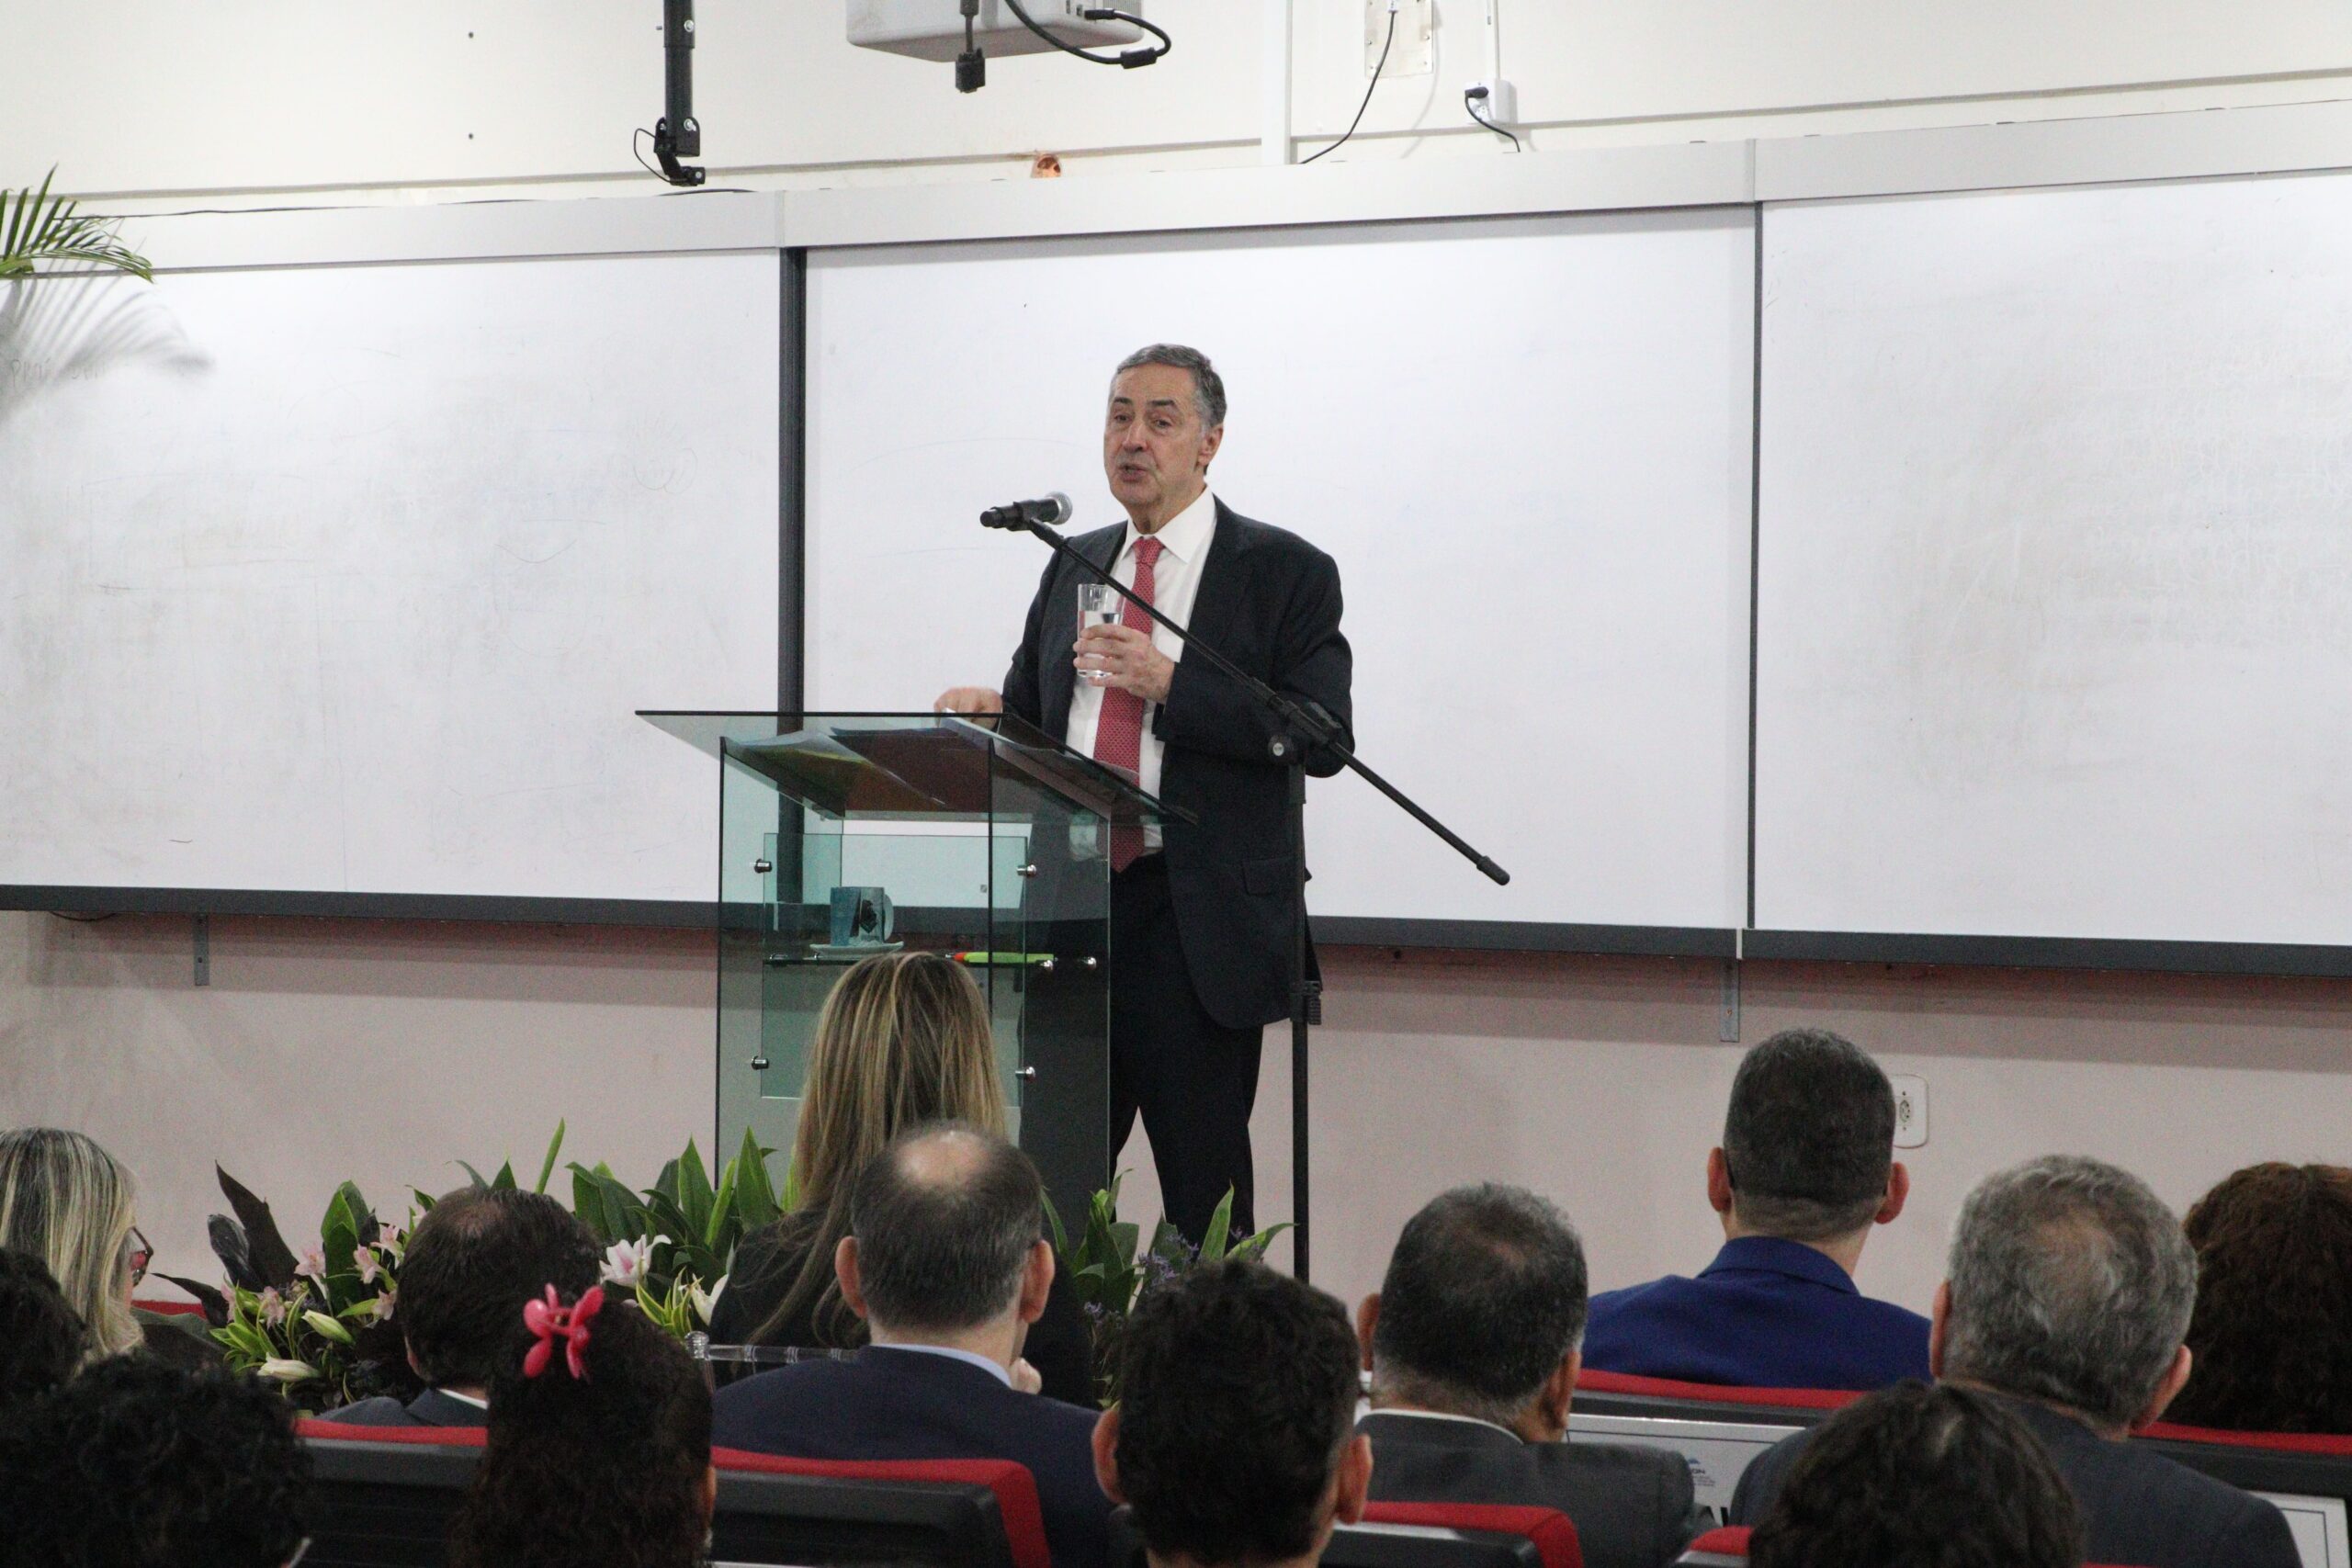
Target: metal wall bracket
(203,950)
(1728,1031)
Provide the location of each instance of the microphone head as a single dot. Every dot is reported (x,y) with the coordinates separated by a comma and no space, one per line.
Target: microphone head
(1057,510)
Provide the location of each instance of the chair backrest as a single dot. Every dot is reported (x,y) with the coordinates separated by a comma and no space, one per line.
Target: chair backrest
(1402,1544)
(1727,1548)
(1552,1531)
(384,1497)
(1718,1431)
(964,1513)
(2308,1475)
(1722,1547)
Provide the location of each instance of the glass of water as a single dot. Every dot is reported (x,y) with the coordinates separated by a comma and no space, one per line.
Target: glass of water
(1098,605)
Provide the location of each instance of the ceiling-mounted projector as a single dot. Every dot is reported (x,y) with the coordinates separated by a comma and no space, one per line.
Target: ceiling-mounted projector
(934,29)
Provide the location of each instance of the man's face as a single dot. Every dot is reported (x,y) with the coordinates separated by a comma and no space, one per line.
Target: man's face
(1155,451)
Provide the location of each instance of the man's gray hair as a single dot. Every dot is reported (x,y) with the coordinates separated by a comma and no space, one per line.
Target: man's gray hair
(1208,387)
(2071,1283)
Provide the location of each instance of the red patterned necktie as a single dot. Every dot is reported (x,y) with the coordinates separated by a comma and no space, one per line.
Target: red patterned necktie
(1118,730)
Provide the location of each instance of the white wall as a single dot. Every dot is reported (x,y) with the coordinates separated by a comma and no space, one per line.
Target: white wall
(384,1052)
(153,103)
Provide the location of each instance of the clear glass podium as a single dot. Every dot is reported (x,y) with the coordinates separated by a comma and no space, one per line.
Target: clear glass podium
(842,834)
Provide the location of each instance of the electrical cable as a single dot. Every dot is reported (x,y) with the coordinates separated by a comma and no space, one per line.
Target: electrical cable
(640,157)
(1470,105)
(1388,44)
(1126,60)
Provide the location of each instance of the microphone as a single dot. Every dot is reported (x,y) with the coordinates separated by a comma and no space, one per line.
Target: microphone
(1053,511)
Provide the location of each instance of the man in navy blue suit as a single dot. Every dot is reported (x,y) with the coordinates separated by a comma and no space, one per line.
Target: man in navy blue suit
(944,1263)
(1807,1168)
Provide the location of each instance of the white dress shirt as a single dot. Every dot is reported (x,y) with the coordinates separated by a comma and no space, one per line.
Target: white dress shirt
(995,1369)
(1175,579)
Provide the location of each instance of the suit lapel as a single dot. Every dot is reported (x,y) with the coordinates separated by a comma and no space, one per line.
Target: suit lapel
(1058,678)
(1217,604)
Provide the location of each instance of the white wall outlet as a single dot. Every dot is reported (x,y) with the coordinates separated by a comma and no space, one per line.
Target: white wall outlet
(1910,1112)
(1415,49)
(1497,101)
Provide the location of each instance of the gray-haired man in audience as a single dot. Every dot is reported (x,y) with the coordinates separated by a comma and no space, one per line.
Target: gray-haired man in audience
(2068,1293)
(1472,1344)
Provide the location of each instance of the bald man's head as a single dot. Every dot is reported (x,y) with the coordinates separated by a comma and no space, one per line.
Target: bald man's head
(944,1220)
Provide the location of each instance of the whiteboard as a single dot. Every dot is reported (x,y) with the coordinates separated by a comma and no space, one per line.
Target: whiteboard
(2054,625)
(351,579)
(1526,443)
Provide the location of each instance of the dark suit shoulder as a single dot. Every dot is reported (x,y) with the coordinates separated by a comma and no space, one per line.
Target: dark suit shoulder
(383,1410)
(1252,534)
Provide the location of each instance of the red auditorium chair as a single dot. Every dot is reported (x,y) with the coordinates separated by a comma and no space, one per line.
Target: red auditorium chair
(1727,1548)
(383,1497)
(1420,1535)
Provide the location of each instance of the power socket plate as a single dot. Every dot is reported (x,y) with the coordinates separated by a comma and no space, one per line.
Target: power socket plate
(1415,51)
(1910,1111)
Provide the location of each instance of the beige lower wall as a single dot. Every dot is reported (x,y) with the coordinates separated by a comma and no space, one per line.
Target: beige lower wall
(385,1051)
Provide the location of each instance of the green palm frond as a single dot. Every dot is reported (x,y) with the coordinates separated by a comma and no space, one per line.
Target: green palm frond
(37,228)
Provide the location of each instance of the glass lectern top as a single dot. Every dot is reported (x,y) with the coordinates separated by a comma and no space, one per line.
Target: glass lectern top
(895,766)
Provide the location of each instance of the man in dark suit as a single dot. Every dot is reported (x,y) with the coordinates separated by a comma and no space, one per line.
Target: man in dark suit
(2067,1294)
(1806,1170)
(1201,912)
(1472,1346)
(1230,1438)
(944,1263)
(472,1261)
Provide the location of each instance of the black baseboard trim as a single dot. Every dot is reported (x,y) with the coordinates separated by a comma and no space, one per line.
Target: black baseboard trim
(2050,952)
(661,912)
(1527,936)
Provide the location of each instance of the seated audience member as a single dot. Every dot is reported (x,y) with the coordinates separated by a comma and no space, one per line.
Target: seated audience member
(903,1040)
(2067,1292)
(1921,1477)
(1807,1168)
(599,1447)
(2272,1334)
(1232,1437)
(945,1264)
(135,1464)
(42,1340)
(68,1202)
(1472,1346)
(472,1261)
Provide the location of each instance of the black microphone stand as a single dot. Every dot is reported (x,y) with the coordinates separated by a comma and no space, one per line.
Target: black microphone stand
(1301,728)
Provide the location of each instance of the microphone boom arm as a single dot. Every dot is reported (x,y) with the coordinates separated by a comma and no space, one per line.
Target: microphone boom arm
(1308,719)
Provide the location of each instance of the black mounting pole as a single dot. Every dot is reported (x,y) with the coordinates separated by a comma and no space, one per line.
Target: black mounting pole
(677,134)
(1304,728)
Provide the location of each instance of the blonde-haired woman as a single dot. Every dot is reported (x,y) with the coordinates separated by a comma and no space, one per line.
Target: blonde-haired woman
(67,1201)
(903,1039)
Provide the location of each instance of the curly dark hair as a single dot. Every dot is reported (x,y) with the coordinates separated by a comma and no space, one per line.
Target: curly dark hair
(2271,1339)
(41,1340)
(472,1263)
(605,1472)
(135,1464)
(1921,1477)
(1240,1391)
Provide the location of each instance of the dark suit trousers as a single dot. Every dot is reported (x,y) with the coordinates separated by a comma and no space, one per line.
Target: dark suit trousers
(1193,1079)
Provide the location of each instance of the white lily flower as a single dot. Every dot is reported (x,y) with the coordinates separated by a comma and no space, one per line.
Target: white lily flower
(626,1261)
(704,1300)
(278,1368)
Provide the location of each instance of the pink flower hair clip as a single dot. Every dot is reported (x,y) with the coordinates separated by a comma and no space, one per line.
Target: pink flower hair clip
(550,1320)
